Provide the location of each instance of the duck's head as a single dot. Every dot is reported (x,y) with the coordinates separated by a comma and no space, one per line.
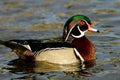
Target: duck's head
(76,26)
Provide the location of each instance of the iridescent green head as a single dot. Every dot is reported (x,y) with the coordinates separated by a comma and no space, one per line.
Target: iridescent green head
(77,18)
(76,26)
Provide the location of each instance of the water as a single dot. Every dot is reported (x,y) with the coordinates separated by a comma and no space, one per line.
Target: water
(38,19)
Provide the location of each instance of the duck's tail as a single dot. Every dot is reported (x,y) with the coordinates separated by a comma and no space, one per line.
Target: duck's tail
(20,50)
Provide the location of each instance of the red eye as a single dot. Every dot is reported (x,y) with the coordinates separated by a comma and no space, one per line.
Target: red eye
(82,23)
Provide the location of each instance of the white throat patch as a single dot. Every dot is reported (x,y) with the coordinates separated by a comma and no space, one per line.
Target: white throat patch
(81,35)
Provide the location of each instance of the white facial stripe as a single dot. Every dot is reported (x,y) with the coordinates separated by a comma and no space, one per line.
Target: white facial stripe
(82,33)
(68,34)
(85,22)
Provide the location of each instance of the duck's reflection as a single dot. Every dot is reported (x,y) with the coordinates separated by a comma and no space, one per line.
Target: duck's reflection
(39,67)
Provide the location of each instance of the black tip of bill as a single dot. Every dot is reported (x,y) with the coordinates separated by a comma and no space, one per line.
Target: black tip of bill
(98,31)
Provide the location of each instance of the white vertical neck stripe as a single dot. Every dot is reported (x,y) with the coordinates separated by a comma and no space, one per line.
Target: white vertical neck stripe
(27,46)
(78,54)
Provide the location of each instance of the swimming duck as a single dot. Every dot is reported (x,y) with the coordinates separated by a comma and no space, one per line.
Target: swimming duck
(74,48)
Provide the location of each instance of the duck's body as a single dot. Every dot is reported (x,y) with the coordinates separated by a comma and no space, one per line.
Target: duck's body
(74,48)
(53,52)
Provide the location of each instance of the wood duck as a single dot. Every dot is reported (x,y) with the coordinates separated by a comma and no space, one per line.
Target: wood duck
(74,48)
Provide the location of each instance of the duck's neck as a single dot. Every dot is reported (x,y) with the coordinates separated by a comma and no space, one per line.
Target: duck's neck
(85,48)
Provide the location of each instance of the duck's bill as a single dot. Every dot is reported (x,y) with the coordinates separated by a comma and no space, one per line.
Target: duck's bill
(92,29)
